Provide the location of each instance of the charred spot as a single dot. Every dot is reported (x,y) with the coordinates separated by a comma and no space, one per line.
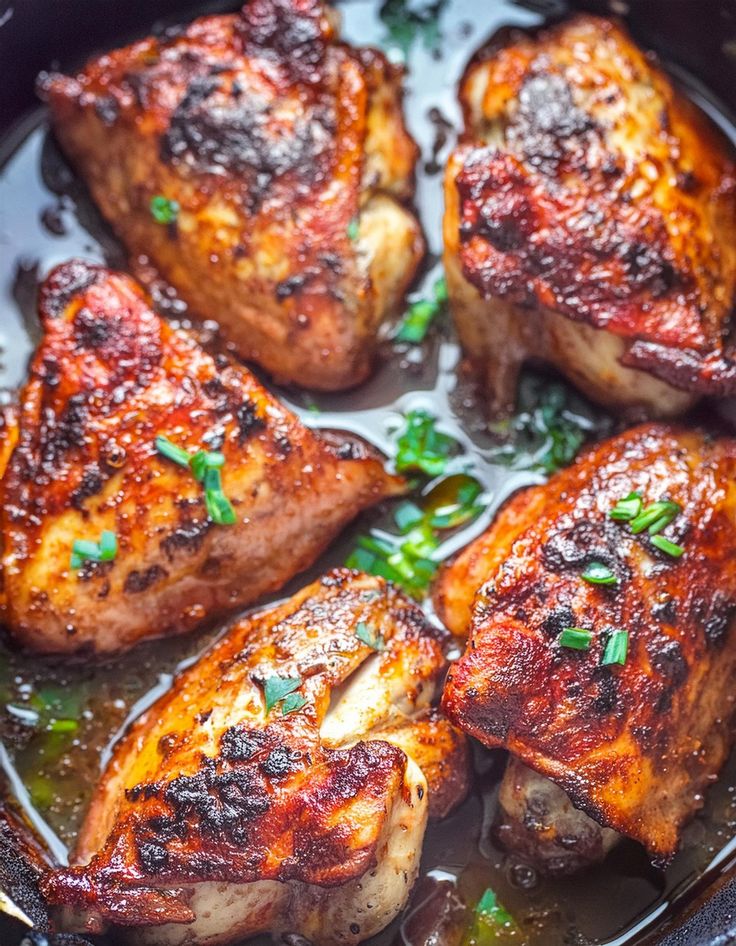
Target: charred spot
(556,621)
(292,35)
(65,282)
(91,331)
(167,743)
(248,421)
(280,762)
(606,691)
(187,537)
(716,615)
(666,611)
(646,267)
(143,792)
(291,285)
(167,828)
(90,484)
(584,542)
(107,109)
(138,581)
(282,444)
(68,433)
(668,660)
(240,745)
(153,857)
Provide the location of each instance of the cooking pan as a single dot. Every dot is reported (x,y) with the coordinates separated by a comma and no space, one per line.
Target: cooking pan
(695,39)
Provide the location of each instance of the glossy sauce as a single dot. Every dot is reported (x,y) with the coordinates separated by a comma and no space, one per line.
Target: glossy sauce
(45,218)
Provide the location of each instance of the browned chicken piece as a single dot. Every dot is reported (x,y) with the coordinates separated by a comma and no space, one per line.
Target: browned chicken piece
(633,744)
(591,223)
(277,786)
(109,378)
(287,155)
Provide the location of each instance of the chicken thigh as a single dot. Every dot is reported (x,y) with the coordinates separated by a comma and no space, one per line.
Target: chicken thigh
(262,167)
(591,223)
(602,649)
(282,785)
(153,485)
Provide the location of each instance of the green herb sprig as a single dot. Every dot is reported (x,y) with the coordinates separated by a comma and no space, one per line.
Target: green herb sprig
(205,467)
(85,550)
(421,447)
(164,210)
(652,518)
(419,317)
(282,690)
(370,636)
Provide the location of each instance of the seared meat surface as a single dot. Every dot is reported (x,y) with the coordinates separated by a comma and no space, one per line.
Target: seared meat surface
(223,813)
(287,155)
(108,378)
(634,745)
(591,223)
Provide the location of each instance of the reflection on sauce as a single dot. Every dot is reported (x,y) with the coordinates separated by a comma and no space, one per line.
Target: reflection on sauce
(58,720)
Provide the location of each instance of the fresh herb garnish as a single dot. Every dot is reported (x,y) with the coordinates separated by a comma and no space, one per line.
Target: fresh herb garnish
(406,22)
(163,210)
(627,509)
(407,515)
(576,638)
(549,427)
(596,573)
(278,690)
(490,920)
(420,315)
(654,517)
(616,649)
(205,466)
(421,446)
(353,229)
(85,550)
(669,548)
(370,636)
(456,511)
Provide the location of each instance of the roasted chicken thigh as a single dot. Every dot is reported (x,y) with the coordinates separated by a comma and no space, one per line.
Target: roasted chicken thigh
(282,785)
(108,379)
(280,163)
(591,223)
(602,642)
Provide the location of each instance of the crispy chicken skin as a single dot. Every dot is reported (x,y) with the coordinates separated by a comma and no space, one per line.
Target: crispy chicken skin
(277,141)
(591,223)
(634,746)
(217,819)
(108,377)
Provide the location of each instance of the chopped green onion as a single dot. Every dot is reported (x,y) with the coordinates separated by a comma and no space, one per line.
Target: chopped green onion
(616,649)
(422,447)
(656,516)
(170,450)
(219,507)
(577,638)
(276,689)
(204,460)
(420,315)
(627,509)
(163,210)
(370,637)
(669,548)
(85,550)
(407,515)
(440,290)
(596,573)
(63,725)
(491,922)
(353,229)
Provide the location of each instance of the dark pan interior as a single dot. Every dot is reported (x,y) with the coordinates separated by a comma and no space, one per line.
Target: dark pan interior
(697,36)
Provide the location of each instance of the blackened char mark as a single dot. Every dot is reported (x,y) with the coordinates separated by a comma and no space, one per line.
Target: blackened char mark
(294,34)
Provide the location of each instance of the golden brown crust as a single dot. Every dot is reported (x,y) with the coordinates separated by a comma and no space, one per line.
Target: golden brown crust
(272,137)
(209,786)
(589,188)
(109,376)
(633,746)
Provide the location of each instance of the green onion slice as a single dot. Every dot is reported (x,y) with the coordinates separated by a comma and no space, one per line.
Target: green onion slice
(627,508)
(669,548)
(170,450)
(576,638)
(596,573)
(163,210)
(617,647)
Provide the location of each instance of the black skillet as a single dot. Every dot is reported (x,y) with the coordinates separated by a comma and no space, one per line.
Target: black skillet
(697,36)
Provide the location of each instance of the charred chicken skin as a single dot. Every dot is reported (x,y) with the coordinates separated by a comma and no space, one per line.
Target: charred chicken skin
(632,743)
(109,378)
(287,158)
(234,807)
(591,223)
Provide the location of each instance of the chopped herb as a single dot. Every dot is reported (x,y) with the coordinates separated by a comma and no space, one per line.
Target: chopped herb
(204,460)
(616,649)
(420,315)
(627,509)
(85,550)
(576,638)
(490,922)
(654,517)
(599,574)
(407,515)
(402,561)
(669,548)
(276,689)
(292,704)
(549,427)
(163,210)
(448,511)
(170,450)
(219,507)
(353,229)
(422,447)
(406,22)
(369,636)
